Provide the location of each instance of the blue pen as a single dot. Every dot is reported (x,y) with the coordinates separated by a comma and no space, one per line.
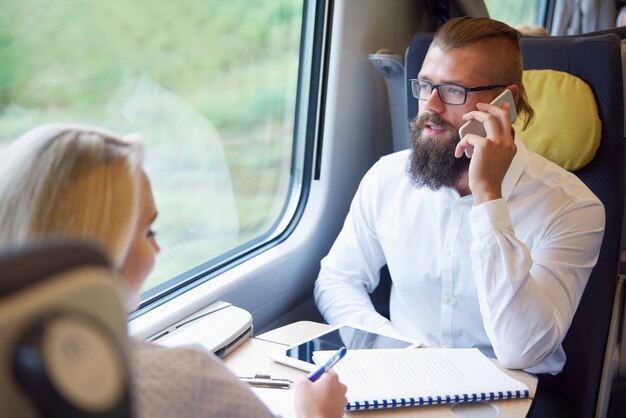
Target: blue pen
(330,363)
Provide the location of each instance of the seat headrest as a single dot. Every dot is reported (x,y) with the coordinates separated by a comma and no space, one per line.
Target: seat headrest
(63,337)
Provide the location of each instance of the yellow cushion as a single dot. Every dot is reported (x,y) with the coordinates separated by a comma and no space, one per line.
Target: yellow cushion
(566,129)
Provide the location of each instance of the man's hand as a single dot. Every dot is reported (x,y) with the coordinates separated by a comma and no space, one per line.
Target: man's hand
(492,155)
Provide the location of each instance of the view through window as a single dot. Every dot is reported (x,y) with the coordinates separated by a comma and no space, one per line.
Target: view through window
(515,12)
(210,86)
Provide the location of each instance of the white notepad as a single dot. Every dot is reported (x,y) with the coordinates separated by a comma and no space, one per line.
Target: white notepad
(389,378)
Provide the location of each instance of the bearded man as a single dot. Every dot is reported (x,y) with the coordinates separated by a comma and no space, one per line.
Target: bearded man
(492,251)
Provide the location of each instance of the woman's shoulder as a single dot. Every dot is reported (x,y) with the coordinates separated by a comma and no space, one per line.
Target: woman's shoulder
(189,381)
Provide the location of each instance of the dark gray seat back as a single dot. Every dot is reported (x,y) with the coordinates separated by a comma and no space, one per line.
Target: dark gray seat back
(595,59)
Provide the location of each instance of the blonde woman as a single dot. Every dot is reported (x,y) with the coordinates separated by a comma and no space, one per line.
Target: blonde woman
(64,180)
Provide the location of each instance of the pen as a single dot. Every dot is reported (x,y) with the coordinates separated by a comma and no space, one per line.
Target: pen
(330,363)
(266,381)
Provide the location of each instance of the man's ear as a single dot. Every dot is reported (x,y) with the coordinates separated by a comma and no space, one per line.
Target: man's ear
(515,90)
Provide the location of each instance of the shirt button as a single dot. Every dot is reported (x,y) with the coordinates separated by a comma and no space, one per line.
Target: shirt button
(447,300)
(448,252)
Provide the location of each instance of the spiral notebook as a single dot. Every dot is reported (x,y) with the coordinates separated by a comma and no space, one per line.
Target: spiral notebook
(390,378)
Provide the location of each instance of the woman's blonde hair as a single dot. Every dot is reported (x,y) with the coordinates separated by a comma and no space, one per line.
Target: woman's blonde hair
(63,180)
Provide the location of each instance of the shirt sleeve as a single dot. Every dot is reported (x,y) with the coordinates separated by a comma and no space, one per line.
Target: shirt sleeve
(527,301)
(350,271)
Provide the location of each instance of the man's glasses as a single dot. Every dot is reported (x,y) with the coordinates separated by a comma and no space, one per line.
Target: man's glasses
(448,93)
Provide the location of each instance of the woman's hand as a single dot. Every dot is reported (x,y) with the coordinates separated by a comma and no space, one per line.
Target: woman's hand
(324,398)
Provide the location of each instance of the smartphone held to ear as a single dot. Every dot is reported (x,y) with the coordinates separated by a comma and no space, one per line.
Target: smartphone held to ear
(475,127)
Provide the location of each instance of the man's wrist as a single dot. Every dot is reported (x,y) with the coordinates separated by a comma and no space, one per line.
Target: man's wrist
(485,196)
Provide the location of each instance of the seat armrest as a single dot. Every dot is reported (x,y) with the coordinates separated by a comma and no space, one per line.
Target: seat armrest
(620,296)
(614,358)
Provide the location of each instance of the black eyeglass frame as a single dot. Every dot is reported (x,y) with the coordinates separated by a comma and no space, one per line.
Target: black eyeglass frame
(414,83)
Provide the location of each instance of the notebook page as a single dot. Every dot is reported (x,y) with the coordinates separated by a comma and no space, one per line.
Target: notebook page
(387,374)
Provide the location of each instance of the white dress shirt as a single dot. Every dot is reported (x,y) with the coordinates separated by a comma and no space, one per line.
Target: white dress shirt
(505,276)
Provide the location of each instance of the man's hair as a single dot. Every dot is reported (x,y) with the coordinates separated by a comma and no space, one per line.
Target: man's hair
(506,53)
(61,181)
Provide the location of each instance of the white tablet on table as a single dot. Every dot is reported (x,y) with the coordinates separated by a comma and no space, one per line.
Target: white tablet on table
(352,336)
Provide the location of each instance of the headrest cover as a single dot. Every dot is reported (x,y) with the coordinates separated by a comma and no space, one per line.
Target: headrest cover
(566,129)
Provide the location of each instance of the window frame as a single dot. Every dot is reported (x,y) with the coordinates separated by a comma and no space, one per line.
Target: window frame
(308,125)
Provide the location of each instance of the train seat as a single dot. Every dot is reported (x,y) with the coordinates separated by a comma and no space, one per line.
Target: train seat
(591,343)
(63,337)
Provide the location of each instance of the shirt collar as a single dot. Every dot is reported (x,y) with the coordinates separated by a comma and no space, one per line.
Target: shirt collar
(515,169)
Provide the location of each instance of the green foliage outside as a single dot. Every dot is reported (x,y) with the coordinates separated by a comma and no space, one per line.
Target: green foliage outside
(210,85)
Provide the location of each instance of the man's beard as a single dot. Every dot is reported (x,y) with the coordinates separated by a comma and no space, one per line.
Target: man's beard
(432,162)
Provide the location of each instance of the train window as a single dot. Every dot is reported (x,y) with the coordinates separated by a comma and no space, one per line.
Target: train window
(515,12)
(210,85)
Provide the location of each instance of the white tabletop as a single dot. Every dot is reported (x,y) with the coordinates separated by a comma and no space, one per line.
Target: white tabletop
(253,357)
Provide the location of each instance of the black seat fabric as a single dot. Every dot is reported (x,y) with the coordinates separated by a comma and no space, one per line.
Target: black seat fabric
(596,60)
(23,266)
